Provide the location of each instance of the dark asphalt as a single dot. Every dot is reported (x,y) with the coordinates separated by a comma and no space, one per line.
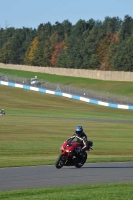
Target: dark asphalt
(47,176)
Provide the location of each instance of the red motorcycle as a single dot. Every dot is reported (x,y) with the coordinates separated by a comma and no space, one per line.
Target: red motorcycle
(70,155)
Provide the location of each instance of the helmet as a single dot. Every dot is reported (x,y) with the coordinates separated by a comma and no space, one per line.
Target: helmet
(79,130)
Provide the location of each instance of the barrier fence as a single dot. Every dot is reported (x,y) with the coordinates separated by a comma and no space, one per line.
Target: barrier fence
(70,90)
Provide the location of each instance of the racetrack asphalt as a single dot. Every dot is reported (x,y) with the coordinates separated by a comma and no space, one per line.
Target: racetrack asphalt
(16,178)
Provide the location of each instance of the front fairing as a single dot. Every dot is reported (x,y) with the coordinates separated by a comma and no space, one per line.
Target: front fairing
(67,148)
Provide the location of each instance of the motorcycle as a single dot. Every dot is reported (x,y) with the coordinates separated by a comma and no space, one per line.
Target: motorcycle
(2,112)
(71,154)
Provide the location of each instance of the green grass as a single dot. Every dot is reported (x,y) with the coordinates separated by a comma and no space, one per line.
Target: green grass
(36,124)
(117,191)
(112,87)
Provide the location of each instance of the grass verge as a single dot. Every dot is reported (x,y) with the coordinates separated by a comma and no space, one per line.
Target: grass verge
(117,191)
(36,124)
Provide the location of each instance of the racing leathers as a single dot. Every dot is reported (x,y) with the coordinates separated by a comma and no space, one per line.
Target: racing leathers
(82,140)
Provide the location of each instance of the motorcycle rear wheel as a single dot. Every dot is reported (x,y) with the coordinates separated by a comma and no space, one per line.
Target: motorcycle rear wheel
(59,162)
(81,161)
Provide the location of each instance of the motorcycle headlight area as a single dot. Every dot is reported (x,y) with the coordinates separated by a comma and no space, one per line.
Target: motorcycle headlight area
(68,151)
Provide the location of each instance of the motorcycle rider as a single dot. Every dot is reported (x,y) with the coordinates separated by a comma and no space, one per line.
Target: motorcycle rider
(3,112)
(81,139)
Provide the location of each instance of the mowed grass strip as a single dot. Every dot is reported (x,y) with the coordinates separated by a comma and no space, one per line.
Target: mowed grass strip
(36,124)
(117,191)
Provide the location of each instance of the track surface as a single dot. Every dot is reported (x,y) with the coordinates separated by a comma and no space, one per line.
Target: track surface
(46,176)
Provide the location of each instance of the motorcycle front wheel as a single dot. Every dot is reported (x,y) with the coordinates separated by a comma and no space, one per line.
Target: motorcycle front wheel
(59,162)
(81,161)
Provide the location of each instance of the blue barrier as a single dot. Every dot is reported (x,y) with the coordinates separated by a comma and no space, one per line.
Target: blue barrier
(93,101)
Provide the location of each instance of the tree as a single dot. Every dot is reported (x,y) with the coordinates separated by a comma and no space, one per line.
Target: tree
(112,25)
(127,28)
(30,53)
(122,59)
(103,50)
(20,43)
(59,47)
(5,52)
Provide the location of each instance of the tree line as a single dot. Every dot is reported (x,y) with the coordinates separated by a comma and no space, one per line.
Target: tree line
(92,44)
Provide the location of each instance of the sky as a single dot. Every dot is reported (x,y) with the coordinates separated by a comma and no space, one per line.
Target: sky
(31,13)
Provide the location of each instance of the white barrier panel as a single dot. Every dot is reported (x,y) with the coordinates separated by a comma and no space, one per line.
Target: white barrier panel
(92,101)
